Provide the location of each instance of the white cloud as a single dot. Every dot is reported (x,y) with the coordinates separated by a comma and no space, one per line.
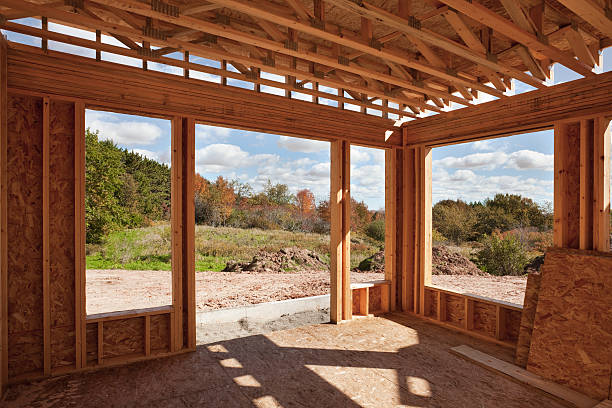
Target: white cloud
(486,161)
(127,133)
(211,134)
(161,157)
(483,145)
(530,160)
(359,155)
(220,157)
(519,160)
(294,144)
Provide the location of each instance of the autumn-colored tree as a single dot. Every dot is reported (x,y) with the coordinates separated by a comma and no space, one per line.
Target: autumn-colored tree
(305,202)
(200,185)
(323,211)
(224,197)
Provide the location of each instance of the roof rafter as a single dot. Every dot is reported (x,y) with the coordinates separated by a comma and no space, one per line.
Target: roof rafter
(592,13)
(507,28)
(359,45)
(281,48)
(410,28)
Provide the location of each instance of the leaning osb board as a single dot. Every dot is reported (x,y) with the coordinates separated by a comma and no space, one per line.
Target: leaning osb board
(24,173)
(572,331)
(485,318)
(124,337)
(160,334)
(61,232)
(527,318)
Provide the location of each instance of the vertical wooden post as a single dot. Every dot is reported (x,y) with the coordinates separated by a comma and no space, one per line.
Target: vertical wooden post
(340,212)
(3,217)
(601,184)
(176,211)
(45,241)
(582,184)
(347,307)
(390,222)
(98,43)
(188,234)
(425,224)
(79,233)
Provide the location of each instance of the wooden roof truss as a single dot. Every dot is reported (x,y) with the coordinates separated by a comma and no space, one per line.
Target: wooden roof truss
(398,57)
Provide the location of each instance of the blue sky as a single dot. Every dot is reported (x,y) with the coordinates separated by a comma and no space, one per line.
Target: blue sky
(519,164)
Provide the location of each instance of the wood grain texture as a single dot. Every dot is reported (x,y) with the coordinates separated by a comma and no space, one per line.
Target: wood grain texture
(484,318)
(61,231)
(160,334)
(124,338)
(103,85)
(3,216)
(24,207)
(531,111)
(572,329)
(454,309)
(527,318)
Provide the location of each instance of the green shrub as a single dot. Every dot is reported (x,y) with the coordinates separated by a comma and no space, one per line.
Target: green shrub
(502,255)
(376,230)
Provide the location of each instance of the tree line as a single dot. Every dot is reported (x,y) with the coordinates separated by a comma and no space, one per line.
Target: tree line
(125,189)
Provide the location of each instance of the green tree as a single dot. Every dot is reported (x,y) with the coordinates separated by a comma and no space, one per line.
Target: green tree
(502,255)
(455,220)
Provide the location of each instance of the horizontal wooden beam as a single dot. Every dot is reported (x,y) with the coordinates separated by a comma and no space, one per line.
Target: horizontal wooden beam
(212,51)
(531,111)
(503,26)
(368,10)
(348,41)
(105,85)
(592,13)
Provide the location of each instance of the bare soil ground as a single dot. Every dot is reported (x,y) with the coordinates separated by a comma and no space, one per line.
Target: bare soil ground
(115,290)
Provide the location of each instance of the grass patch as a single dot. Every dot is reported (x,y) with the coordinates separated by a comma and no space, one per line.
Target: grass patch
(149,248)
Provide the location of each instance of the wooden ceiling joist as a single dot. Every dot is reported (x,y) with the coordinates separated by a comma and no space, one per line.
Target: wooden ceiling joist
(353,43)
(198,49)
(592,13)
(507,28)
(408,27)
(281,48)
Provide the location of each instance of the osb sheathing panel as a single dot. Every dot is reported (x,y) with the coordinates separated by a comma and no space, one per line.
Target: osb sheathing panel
(512,325)
(124,337)
(374,299)
(61,232)
(356,299)
(484,318)
(431,303)
(160,333)
(63,346)
(527,318)
(91,343)
(572,331)
(24,173)
(572,192)
(455,309)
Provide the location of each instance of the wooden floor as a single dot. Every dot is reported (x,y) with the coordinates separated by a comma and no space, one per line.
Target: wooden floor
(393,361)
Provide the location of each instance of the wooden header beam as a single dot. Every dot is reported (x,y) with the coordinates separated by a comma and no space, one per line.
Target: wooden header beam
(103,85)
(531,111)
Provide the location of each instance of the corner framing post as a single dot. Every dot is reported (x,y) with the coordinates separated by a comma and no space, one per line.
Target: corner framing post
(188,235)
(176,211)
(340,222)
(3,218)
(390,223)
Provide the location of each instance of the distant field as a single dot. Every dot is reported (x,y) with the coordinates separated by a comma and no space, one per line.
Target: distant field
(149,248)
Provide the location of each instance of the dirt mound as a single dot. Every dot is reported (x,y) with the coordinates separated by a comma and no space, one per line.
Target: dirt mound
(447,262)
(286,260)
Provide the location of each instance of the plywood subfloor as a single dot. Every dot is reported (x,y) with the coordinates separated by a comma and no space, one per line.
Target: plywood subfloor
(374,362)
